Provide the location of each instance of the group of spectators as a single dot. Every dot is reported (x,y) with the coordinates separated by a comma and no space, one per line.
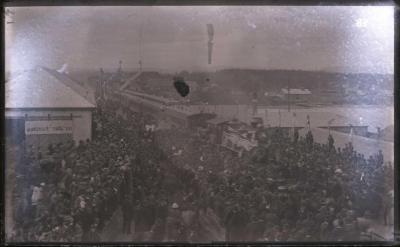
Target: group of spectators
(177,185)
(68,192)
(288,188)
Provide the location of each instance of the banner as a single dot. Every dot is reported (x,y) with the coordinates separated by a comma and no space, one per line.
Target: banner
(48,127)
(234,141)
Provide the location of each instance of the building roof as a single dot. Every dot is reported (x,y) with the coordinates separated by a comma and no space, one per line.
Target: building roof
(174,110)
(218,119)
(151,96)
(388,133)
(38,88)
(78,87)
(295,91)
(361,144)
(130,80)
(299,119)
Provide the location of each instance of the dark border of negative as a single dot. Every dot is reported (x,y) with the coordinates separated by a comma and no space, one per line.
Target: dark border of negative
(16,3)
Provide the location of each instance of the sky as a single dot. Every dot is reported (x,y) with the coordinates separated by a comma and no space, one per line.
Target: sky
(333,39)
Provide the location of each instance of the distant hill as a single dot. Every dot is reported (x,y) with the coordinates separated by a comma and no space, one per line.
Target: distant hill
(255,80)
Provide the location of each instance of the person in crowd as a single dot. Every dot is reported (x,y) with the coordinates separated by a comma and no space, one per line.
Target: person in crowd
(174,223)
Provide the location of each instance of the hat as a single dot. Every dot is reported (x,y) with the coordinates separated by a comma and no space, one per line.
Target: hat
(338,170)
(175,205)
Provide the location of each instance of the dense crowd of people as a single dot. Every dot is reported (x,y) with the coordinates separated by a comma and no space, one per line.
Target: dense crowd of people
(289,188)
(69,192)
(177,185)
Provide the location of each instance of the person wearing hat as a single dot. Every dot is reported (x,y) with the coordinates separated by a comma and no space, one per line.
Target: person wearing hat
(37,196)
(174,223)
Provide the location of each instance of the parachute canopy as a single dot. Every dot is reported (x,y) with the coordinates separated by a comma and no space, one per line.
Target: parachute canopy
(210,31)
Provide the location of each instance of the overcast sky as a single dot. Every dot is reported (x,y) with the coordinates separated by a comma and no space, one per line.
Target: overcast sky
(344,39)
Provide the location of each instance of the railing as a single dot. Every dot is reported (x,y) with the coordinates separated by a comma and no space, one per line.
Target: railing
(372,236)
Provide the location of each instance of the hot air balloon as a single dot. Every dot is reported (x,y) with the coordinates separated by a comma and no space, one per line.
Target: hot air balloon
(210,30)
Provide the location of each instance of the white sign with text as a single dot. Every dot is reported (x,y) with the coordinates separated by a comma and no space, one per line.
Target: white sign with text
(48,127)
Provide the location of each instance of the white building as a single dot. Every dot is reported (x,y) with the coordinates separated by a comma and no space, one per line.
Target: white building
(41,109)
(296,95)
(366,146)
(301,118)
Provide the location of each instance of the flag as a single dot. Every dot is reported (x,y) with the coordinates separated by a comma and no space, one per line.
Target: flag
(351,135)
(308,122)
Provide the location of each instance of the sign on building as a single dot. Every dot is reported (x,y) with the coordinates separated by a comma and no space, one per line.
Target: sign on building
(48,127)
(236,142)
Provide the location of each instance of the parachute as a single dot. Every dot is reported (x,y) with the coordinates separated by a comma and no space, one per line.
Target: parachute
(210,30)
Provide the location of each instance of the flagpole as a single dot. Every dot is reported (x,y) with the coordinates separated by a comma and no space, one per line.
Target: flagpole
(288,98)
(279,118)
(351,134)
(293,120)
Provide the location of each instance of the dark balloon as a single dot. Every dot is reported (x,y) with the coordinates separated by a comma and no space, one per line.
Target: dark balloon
(181,87)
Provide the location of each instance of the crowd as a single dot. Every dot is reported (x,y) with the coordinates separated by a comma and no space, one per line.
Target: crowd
(69,192)
(176,185)
(288,188)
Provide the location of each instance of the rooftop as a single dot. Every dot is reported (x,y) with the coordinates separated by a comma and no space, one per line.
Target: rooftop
(295,91)
(39,88)
(388,133)
(295,118)
(74,85)
(218,120)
